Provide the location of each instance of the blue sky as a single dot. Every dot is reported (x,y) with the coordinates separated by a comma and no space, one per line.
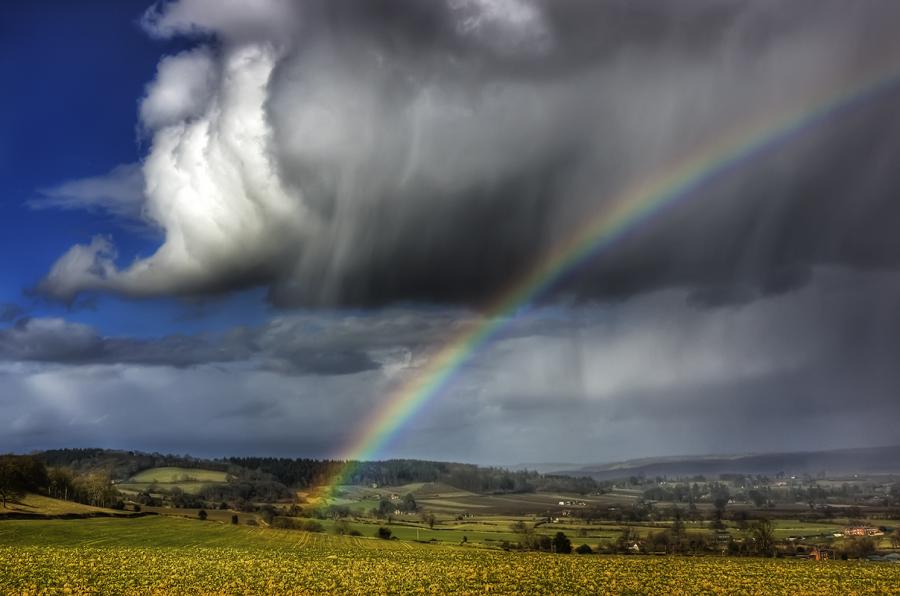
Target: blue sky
(78,71)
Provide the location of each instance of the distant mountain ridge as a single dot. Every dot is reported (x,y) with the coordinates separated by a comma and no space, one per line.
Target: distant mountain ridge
(864,460)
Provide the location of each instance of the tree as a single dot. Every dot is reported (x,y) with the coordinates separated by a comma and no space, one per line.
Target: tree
(758,497)
(95,489)
(763,534)
(61,483)
(561,543)
(12,485)
(202,514)
(677,524)
(234,518)
(858,548)
(626,540)
(20,474)
(385,508)
(720,497)
(409,502)
(267,512)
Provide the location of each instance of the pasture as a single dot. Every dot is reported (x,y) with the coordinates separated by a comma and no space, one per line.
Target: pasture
(189,480)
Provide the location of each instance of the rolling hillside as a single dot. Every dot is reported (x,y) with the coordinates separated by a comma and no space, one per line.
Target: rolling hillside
(189,480)
(870,460)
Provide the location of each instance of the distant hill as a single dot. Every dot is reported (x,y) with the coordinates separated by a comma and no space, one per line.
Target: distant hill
(135,471)
(868,460)
(542,467)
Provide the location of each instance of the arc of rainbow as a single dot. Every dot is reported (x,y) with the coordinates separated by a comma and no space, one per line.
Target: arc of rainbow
(620,215)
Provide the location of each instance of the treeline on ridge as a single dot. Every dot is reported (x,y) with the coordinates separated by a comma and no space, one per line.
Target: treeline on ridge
(305,473)
(263,477)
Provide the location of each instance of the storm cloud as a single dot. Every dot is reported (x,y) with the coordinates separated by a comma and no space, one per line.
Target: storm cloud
(649,375)
(298,344)
(345,153)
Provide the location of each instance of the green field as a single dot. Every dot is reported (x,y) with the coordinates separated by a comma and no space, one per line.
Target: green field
(171,555)
(441,498)
(189,480)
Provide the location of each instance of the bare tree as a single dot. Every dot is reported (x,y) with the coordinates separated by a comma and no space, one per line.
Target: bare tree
(763,534)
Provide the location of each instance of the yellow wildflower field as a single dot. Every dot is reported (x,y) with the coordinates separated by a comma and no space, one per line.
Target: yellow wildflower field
(326,564)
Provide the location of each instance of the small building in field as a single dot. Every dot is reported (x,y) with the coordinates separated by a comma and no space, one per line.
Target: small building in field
(862,531)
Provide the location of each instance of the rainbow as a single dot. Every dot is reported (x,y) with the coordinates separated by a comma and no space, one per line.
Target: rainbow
(622,214)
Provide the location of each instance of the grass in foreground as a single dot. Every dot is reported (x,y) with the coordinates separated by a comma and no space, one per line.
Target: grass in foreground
(166,555)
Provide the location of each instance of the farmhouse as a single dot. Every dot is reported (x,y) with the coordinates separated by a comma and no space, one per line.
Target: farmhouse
(862,531)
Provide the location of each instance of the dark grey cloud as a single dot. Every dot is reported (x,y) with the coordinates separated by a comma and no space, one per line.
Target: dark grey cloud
(369,152)
(53,340)
(643,376)
(296,345)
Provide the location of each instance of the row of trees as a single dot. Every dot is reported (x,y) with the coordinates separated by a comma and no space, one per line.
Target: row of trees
(121,464)
(20,474)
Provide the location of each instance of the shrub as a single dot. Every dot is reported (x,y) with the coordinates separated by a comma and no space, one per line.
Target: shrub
(234,518)
(284,523)
(584,549)
(341,527)
(383,533)
(311,526)
(561,543)
(202,514)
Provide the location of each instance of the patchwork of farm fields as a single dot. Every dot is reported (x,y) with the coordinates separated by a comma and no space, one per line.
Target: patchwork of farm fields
(168,555)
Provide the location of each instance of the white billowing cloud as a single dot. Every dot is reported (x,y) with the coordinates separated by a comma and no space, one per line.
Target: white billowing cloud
(211,184)
(183,87)
(83,267)
(119,192)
